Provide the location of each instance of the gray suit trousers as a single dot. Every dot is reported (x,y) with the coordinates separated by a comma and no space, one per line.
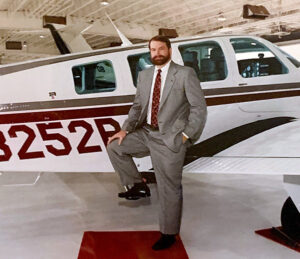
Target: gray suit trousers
(168,171)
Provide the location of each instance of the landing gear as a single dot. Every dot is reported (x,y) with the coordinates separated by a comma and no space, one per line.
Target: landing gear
(290,220)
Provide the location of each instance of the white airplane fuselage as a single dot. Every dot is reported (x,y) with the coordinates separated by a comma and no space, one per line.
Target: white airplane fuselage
(51,122)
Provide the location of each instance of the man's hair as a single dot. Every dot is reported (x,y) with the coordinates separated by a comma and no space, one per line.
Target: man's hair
(161,39)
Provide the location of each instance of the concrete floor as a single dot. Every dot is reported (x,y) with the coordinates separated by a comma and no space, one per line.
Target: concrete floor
(220,215)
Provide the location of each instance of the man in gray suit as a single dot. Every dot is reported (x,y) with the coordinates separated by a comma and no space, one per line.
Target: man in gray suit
(168,114)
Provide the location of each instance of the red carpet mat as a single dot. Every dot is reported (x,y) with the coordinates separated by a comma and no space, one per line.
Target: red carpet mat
(127,245)
(267,233)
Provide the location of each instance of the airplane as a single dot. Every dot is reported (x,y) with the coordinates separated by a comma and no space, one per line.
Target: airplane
(57,113)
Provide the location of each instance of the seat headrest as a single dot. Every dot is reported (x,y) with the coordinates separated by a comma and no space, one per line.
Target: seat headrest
(217,54)
(190,56)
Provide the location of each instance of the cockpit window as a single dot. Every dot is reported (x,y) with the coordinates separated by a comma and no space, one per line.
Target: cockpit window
(206,58)
(138,63)
(94,77)
(254,59)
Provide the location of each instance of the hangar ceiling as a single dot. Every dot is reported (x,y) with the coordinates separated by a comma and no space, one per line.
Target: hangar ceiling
(22,20)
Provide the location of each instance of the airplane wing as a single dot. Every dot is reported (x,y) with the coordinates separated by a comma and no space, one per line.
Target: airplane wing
(250,149)
(268,150)
(244,165)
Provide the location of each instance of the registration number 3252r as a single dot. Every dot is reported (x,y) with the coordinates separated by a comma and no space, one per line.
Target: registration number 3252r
(48,134)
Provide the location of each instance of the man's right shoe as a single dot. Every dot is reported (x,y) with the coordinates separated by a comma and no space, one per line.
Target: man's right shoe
(164,242)
(138,190)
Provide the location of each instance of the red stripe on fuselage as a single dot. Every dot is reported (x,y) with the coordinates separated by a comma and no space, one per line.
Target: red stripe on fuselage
(11,118)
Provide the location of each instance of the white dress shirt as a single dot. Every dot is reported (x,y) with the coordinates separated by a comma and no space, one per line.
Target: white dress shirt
(163,74)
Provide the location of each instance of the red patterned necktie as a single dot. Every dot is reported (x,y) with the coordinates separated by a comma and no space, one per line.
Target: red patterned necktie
(155,99)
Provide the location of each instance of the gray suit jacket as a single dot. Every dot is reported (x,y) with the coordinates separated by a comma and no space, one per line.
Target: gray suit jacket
(182,107)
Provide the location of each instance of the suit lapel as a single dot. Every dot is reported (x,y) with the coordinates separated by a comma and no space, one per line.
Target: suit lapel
(146,87)
(169,83)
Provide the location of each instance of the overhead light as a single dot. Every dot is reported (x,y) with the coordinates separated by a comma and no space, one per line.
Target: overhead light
(221,17)
(104,3)
(42,36)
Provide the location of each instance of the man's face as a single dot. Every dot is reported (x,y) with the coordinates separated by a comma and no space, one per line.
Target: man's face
(160,53)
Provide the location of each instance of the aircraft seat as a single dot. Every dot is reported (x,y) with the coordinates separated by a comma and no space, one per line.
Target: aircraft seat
(217,55)
(191,60)
(208,70)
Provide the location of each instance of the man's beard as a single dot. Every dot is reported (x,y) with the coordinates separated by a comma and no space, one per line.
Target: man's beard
(160,60)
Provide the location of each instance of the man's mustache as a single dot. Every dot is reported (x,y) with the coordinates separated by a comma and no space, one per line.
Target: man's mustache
(158,57)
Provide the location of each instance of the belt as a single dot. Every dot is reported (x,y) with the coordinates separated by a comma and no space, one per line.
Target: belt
(150,127)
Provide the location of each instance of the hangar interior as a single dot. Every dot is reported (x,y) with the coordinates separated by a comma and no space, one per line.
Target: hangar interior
(22,21)
(44,215)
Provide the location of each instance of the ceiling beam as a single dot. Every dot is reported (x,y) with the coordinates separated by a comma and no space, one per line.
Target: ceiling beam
(233,13)
(16,5)
(243,24)
(19,21)
(37,6)
(130,30)
(164,14)
(122,11)
(143,11)
(62,10)
(104,8)
(60,7)
(80,4)
(213,11)
(29,51)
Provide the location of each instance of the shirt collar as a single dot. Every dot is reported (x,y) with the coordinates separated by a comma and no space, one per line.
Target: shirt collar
(164,68)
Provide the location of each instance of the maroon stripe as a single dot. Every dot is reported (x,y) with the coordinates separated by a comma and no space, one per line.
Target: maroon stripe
(250,97)
(123,110)
(64,114)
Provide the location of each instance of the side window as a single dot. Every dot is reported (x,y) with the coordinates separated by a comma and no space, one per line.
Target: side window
(138,63)
(255,59)
(206,58)
(94,77)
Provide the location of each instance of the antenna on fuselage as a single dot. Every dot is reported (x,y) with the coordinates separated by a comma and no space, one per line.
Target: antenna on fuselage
(125,42)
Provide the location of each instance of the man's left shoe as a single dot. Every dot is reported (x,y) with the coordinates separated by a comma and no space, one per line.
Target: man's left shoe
(139,190)
(164,242)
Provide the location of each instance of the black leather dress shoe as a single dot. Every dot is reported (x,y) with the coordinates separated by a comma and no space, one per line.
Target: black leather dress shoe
(138,190)
(164,242)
